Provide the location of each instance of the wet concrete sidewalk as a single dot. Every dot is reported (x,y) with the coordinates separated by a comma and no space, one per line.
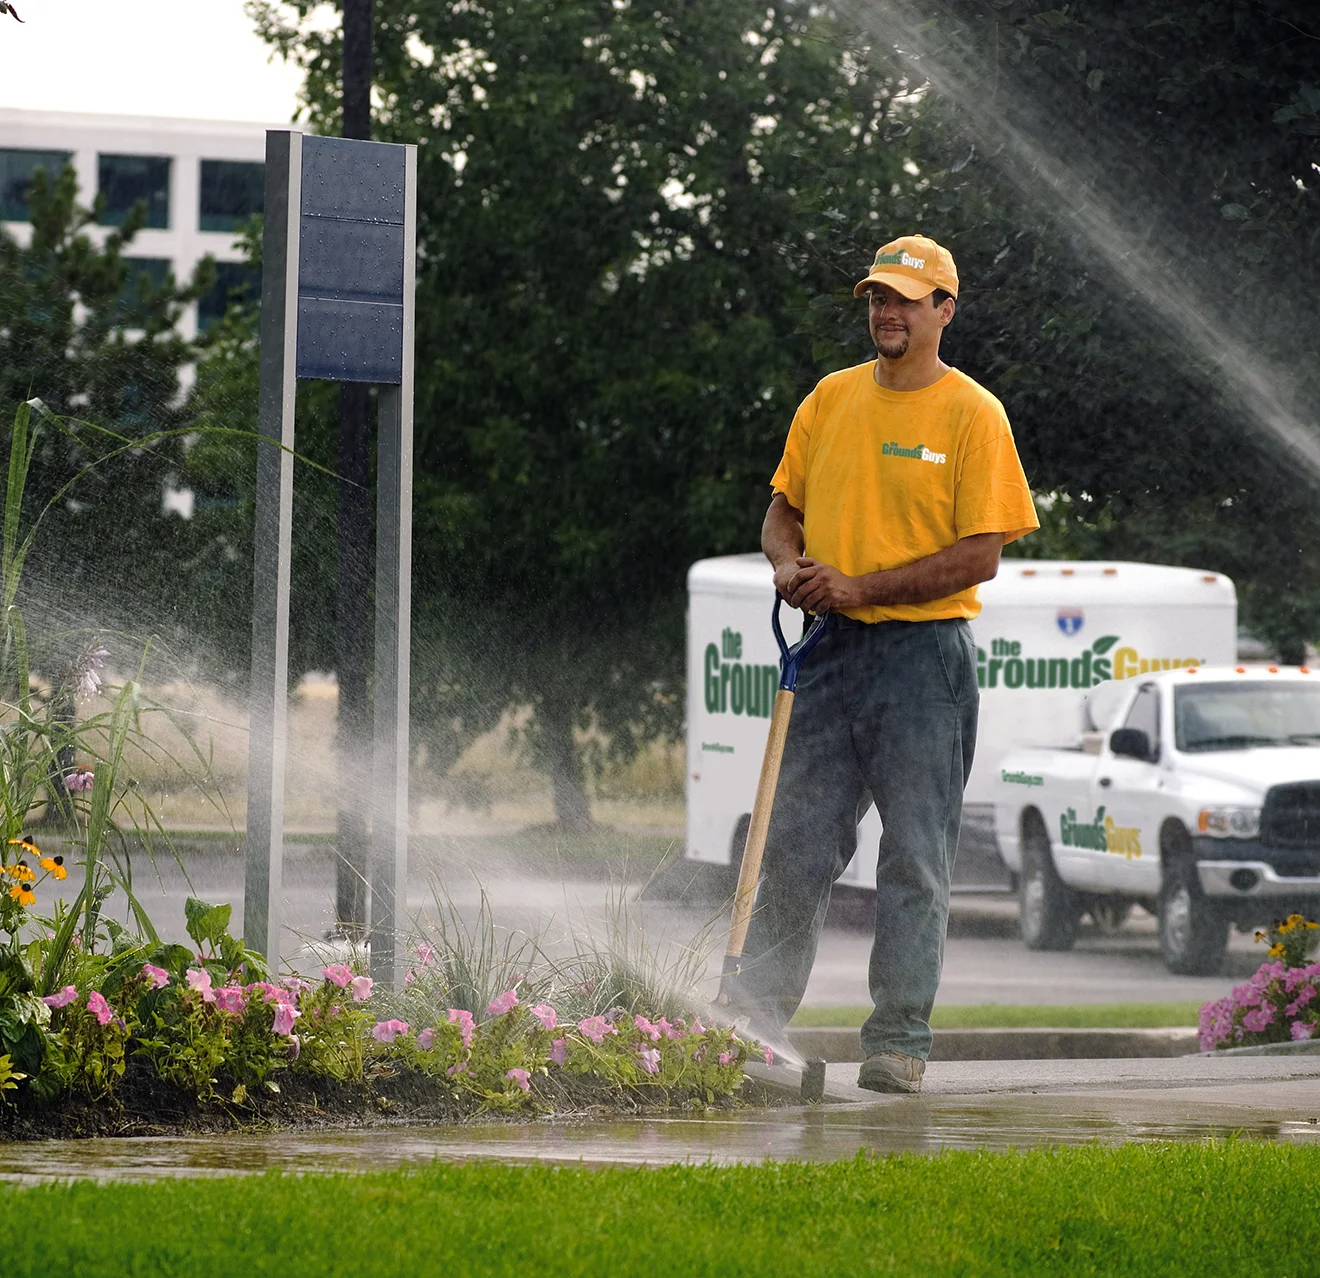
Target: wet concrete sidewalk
(964,1105)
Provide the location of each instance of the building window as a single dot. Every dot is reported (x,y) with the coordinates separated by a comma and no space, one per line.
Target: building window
(125,179)
(17,168)
(234,282)
(145,275)
(232,192)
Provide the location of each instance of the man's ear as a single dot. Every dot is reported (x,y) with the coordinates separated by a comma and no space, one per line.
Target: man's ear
(947,308)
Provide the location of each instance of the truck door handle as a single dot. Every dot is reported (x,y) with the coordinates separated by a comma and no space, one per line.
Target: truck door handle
(1105,781)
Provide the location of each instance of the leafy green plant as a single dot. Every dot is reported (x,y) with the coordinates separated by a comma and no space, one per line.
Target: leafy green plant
(9,1076)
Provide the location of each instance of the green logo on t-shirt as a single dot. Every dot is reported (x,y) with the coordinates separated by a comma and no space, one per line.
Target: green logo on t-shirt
(919,453)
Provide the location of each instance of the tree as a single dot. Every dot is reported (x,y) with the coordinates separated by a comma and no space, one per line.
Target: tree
(614,265)
(98,343)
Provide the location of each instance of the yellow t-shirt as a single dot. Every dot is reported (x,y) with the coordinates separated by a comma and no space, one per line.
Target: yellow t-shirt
(886,477)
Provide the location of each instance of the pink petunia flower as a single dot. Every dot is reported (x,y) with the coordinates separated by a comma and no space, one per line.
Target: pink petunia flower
(426,1039)
(388,1031)
(199,979)
(466,1026)
(296,985)
(769,1054)
(1302,1030)
(295,1047)
(157,977)
(675,1030)
(651,1031)
(61,998)
(595,1028)
(454,1070)
(338,974)
(285,1015)
(1258,1019)
(409,977)
(502,1003)
(726,1058)
(99,1008)
(425,954)
(546,1015)
(558,1050)
(229,998)
(650,1059)
(697,1026)
(361,987)
(521,1077)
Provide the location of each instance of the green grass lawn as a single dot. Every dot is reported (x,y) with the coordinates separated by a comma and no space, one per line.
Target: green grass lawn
(1208,1209)
(1004,1016)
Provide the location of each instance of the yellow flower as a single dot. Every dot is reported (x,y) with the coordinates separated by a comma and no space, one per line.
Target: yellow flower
(54,865)
(23,894)
(1262,936)
(26,844)
(1276,951)
(22,872)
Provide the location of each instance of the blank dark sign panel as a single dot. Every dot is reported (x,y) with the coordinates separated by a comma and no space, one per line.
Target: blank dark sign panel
(350,261)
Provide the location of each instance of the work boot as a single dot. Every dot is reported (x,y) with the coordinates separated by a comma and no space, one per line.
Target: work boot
(891,1072)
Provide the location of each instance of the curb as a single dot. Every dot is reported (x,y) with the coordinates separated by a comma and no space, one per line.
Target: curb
(844,1046)
(1307,1047)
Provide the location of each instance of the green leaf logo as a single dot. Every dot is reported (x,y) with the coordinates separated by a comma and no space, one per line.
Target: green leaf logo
(1104,643)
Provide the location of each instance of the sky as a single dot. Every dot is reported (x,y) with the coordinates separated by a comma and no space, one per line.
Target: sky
(193,58)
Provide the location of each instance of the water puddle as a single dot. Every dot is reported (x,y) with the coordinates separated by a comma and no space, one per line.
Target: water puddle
(906,1125)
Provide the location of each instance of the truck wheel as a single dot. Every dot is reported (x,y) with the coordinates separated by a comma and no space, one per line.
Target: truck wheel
(1193,932)
(1047,907)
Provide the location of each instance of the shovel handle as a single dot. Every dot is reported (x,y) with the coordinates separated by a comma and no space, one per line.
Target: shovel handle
(749,874)
(791,659)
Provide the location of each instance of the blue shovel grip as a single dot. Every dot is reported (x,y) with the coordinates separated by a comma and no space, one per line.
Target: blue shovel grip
(791,659)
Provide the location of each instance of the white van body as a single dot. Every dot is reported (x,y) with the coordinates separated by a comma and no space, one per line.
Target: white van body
(1047,630)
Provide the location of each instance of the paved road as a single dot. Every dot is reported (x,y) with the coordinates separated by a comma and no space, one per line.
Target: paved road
(985,961)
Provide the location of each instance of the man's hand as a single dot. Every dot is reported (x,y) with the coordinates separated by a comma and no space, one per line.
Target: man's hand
(816,587)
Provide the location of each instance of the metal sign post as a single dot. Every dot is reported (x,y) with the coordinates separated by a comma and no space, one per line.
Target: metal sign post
(339,255)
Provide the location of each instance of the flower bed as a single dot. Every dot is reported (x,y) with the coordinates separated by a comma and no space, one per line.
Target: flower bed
(1278,1004)
(150,1031)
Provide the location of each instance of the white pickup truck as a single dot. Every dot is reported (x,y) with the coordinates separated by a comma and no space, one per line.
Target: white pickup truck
(1193,792)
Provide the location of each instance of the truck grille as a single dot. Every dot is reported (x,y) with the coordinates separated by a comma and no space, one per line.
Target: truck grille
(1291,817)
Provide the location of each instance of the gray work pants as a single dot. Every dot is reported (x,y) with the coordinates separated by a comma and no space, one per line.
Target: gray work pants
(884,712)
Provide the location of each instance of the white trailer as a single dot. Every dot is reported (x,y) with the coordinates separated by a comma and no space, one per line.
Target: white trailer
(1047,630)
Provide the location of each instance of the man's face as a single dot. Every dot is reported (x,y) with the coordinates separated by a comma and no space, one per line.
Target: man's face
(899,324)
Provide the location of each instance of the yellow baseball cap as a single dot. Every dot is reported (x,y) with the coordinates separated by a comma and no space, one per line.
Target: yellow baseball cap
(915,266)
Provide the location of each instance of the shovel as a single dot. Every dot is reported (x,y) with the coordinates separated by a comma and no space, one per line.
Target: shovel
(790,662)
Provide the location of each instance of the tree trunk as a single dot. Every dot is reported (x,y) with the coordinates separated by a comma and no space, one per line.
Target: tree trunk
(562,762)
(352,624)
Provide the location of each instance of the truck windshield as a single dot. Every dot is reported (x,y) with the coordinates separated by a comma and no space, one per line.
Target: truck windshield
(1238,716)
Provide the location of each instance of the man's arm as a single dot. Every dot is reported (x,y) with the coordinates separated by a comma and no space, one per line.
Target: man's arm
(821,588)
(783,541)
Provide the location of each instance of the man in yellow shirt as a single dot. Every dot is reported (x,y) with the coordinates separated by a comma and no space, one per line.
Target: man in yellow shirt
(899,486)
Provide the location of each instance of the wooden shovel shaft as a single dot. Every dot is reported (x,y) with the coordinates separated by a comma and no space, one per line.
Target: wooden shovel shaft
(750,873)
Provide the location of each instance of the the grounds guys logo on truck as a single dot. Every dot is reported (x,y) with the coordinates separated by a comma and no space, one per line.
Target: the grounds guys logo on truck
(733,686)
(1005,665)
(1103,834)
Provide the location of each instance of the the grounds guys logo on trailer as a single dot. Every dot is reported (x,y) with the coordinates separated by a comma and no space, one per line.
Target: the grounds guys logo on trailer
(733,686)
(1007,666)
(1103,834)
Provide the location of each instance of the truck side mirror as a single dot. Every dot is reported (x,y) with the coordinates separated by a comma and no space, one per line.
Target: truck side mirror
(1130,743)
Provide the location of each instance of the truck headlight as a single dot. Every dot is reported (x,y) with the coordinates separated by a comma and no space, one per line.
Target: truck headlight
(1229,823)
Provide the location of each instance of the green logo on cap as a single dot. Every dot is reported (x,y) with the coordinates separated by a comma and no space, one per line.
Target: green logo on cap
(900,259)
